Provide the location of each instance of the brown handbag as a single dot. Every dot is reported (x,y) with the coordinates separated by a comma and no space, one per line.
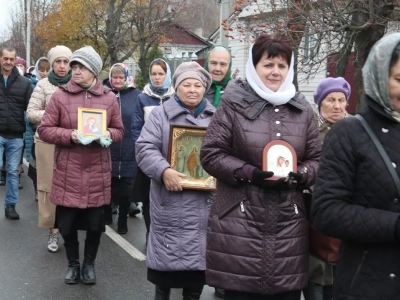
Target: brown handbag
(321,246)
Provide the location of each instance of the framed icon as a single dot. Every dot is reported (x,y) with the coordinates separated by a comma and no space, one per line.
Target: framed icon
(279,157)
(184,156)
(92,122)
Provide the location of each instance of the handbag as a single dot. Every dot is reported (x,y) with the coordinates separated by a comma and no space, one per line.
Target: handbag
(322,247)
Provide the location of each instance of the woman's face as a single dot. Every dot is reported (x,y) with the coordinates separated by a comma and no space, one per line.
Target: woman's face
(22,67)
(190,91)
(81,75)
(118,80)
(272,71)
(333,107)
(61,66)
(43,72)
(394,86)
(157,75)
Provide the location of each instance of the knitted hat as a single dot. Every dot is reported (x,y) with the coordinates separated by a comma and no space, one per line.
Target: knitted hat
(330,85)
(191,70)
(56,52)
(88,57)
(20,61)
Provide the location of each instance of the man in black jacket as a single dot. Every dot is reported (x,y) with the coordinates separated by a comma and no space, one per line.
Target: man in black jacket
(15,92)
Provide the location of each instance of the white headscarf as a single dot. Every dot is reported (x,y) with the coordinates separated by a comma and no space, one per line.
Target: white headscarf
(285,92)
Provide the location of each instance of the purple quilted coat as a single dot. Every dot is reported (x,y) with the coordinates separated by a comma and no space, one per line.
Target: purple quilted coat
(257,238)
(177,240)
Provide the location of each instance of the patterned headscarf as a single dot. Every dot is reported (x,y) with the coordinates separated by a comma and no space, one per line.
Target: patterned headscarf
(376,72)
(129,81)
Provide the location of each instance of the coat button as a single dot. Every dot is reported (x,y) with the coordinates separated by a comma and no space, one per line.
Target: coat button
(278,134)
(394,165)
(87,170)
(208,201)
(278,122)
(395,200)
(392,276)
(384,130)
(276,109)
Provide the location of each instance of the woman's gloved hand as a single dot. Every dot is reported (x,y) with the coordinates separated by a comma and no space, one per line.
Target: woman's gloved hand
(259,176)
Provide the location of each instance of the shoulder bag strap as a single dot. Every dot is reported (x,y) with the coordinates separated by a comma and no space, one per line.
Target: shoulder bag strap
(382,152)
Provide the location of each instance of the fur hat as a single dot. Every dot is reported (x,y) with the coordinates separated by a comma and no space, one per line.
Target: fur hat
(191,70)
(330,85)
(56,52)
(88,57)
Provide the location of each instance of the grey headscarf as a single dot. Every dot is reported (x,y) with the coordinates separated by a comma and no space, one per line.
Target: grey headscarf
(376,72)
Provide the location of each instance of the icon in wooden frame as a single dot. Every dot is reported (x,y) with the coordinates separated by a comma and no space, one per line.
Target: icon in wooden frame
(279,157)
(92,122)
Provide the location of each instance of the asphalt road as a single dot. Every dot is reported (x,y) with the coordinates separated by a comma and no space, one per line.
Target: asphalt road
(28,271)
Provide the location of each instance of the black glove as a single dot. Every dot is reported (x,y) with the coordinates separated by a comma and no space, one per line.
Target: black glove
(258,177)
(295,176)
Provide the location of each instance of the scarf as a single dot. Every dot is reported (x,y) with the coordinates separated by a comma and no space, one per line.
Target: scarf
(197,111)
(55,80)
(376,72)
(129,81)
(285,92)
(167,81)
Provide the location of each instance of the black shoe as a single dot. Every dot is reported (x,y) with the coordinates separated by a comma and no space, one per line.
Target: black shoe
(88,274)
(134,209)
(73,274)
(11,213)
(220,293)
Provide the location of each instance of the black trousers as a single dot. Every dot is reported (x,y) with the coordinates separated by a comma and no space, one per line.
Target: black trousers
(92,237)
(233,295)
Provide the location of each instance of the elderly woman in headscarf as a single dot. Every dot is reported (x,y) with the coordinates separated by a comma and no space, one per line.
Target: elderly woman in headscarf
(60,73)
(356,196)
(81,184)
(155,93)
(257,235)
(177,240)
(124,167)
(331,96)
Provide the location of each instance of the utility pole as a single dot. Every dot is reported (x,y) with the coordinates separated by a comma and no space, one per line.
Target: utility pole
(28,32)
(224,13)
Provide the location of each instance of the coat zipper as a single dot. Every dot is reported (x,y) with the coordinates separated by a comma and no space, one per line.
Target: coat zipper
(358,270)
(296,211)
(242,207)
(120,148)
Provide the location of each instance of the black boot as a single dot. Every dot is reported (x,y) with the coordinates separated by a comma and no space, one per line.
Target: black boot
(162,293)
(108,219)
(88,273)
(123,218)
(73,273)
(134,209)
(11,213)
(192,294)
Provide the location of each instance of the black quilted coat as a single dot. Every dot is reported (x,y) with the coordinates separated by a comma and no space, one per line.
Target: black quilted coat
(14,99)
(257,239)
(356,200)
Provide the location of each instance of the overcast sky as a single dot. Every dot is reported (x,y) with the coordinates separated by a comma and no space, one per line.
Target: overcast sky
(4,11)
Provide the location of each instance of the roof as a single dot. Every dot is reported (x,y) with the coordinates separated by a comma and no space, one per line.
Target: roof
(182,36)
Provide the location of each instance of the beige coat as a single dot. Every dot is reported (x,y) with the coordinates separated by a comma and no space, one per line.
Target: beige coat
(44,152)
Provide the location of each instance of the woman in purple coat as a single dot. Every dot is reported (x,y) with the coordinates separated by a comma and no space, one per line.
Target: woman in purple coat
(177,240)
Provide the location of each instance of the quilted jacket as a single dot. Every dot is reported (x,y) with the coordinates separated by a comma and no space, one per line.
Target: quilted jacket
(355,200)
(82,173)
(123,153)
(177,240)
(14,100)
(257,238)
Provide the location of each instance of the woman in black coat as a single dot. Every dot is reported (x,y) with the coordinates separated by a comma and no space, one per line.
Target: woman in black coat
(355,197)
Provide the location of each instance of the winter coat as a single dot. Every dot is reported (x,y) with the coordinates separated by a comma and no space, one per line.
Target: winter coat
(39,100)
(14,100)
(123,153)
(147,101)
(82,173)
(177,239)
(257,238)
(356,200)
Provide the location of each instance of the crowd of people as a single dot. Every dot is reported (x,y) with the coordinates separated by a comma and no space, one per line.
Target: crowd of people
(250,237)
